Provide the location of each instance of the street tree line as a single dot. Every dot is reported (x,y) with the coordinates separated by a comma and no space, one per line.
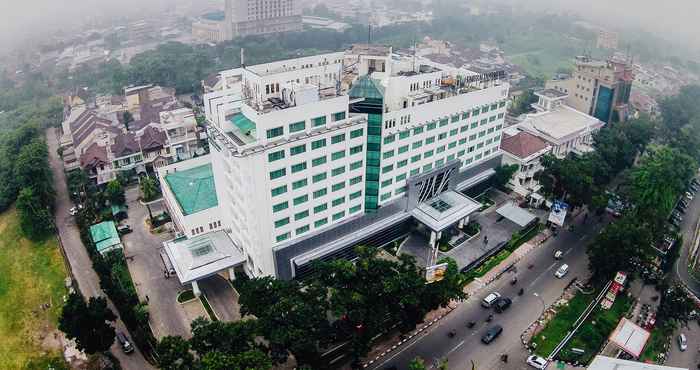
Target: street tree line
(649,165)
(344,302)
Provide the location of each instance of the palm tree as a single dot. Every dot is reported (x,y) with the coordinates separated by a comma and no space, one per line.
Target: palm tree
(149,191)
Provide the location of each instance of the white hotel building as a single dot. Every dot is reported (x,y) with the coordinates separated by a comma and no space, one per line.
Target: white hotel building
(314,156)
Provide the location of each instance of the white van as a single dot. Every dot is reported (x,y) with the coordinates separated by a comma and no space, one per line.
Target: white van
(490,299)
(562,271)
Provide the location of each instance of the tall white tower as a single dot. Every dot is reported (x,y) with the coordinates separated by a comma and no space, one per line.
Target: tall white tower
(228,20)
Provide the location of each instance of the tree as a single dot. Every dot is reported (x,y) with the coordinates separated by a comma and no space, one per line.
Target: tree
(503,175)
(149,188)
(127,117)
(174,354)
(89,324)
(675,306)
(225,337)
(291,317)
(417,364)
(250,360)
(114,192)
(35,220)
(618,247)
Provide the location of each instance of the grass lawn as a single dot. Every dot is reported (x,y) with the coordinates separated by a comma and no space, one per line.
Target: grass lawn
(591,335)
(559,326)
(31,274)
(208,308)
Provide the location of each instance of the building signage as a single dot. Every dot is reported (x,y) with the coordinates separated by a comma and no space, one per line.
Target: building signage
(484,77)
(558,213)
(435,273)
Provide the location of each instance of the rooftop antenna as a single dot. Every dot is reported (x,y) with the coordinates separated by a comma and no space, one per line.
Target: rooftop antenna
(369,34)
(414,53)
(242,57)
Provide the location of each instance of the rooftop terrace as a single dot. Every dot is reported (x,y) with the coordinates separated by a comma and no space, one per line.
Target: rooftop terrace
(194,189)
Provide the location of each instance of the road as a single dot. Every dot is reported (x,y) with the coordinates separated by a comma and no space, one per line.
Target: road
(466,346)
(80,263)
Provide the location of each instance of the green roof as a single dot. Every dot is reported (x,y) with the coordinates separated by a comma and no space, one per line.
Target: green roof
(366,87)
(118,208)
(245,125)
(194,189)
(104,235)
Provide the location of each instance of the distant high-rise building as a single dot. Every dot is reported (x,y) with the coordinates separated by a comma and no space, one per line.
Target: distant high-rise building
(598,88)
(607,39)
(250,17)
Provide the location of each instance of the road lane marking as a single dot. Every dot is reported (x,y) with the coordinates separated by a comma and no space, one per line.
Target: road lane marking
(568,251)
(542,274)
(455,348)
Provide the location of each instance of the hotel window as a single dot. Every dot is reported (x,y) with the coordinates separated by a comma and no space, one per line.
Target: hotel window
(338,186)
(275,132)
(355,180)
(452,145)
(401,177)
(432,126)
(280,207)
(338,171)
(278,173)
(338,139)
(450,157)
(302,229)
(299,184)
(356,195)
(484,121)
(465,115)
(444,122)
(464,128)
(282,222)
(460,153)
(404,134)
(389,139)
(320,208)
(386,183)
(414,172)
(338,201)
(321,222)
(300,200)
(403,149)
(415,158)
(298,167)
(386,196)
(297,126)
(297,149)
(400,190)
(338,155)
(430,140)
(454,118)
(319,121)
(417,130)
(355,150)
(318,144)
(301,215)
(428,154)
(475,112)
(319,177)
(401,164)
(388,168)
(454,132)
(319,193)
(274,156)
(283,237)
(338,116)
(442,136)
(338,216)
(388,154)
(356,208)
(474,125)
(492,118)
(355,165)
(356,133)
(318,161)
(416,145)
(440,149)
(278,190)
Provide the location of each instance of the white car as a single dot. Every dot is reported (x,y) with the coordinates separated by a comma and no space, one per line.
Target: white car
(490,299)
(562,271)
(537,362)
(73,211)
(682,342)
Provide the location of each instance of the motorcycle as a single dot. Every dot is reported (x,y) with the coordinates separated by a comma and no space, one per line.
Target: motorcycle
(471,324)
(521,291)
(488,319)
(452,333)
(514,280)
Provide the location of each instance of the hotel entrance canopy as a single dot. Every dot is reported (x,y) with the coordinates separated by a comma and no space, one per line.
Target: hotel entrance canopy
(202,256)
(444,210)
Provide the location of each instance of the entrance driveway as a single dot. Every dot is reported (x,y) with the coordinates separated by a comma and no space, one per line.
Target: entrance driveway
(167,317)
(222,297)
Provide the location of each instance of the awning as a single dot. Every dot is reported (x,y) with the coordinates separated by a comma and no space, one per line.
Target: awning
(202,256)
(516,214)
(444,210)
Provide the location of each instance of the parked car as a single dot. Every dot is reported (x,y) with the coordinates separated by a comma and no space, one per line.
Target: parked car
(558,255)
(127,347)
(502,304)
(73,211)
(490,299)
(124,229)
(688,196)
(682,342)
(675,223)
(562,271)
(491,334)
(537,362)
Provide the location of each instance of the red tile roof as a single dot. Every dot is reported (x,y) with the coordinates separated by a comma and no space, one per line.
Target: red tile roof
(522,145)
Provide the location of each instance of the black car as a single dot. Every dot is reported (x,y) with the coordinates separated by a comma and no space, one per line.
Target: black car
(127,347)
(492,334)
(502,304)
(124,229)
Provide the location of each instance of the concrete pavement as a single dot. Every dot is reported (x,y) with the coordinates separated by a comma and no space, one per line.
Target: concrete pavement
(466,346)
(78,258)
(167,317)
(222,297)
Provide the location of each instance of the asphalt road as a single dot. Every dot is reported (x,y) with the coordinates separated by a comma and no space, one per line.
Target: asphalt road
(466,346)
(80,263)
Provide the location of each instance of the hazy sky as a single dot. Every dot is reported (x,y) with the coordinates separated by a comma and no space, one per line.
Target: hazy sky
(674,18)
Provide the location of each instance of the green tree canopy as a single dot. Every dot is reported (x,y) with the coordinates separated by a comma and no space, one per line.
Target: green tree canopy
(89,324)
(618,247)
(174,354)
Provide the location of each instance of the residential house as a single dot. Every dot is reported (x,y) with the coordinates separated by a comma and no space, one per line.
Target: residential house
(525,150)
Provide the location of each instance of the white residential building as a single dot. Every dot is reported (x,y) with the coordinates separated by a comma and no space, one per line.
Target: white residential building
(315,155)
(180,127)
(564,128)
(525,150)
